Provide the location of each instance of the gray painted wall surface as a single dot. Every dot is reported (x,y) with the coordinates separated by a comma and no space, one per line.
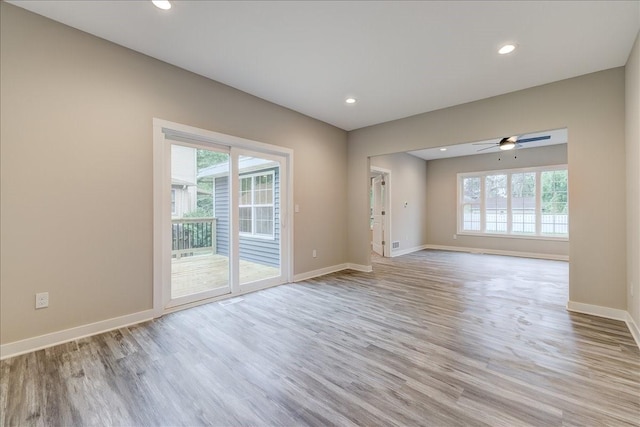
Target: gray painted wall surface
(632,135)
(76,122)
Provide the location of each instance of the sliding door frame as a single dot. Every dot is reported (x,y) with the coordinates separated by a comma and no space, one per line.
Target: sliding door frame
(163,132)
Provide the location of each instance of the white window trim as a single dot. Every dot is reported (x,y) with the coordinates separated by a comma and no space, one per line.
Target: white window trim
(253,234)
(508,234)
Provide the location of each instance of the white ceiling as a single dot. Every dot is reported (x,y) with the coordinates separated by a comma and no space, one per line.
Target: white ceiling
(557,136)
(397,58)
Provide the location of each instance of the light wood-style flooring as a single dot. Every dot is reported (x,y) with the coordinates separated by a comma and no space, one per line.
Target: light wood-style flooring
(431,338)
(201,273)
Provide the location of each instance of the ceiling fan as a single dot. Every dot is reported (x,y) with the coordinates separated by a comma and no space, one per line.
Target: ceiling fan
(511,142)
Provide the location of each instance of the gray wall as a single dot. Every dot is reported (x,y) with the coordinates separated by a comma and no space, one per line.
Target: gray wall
(632,85)
(442,192)
(408,183)
(77,179)
(591,107)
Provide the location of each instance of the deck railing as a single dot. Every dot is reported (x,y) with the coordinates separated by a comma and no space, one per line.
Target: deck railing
(192,236)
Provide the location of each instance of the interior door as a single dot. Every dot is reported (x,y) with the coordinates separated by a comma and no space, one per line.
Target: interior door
(377,214)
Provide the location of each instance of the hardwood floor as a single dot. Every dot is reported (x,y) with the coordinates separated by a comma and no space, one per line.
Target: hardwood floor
(431,338)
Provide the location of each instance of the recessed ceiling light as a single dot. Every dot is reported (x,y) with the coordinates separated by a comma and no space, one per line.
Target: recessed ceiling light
(443,149)
(507,48)
(162,4)
(350,100)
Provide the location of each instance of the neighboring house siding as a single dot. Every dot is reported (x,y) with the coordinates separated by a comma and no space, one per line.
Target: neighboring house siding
(221,213)
(255,249)
(185,200)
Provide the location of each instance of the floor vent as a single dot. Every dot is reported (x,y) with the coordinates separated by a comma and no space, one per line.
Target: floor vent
(395,245)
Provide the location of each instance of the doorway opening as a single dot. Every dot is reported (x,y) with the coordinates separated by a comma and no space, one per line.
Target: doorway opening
(379,210)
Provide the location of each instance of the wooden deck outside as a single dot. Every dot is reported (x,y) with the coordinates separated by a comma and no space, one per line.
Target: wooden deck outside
(200,273)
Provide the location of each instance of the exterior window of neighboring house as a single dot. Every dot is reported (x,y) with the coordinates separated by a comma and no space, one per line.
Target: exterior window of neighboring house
(173,201)
(530,202)
(257,204)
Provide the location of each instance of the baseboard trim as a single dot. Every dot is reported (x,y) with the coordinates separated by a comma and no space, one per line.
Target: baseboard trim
(633,328)
(319,272)
(29,345)
(360,267)
(536,255)
(597,310)
(408,250)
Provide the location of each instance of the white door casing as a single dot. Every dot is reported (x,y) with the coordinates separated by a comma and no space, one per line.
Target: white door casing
(378,234)
(166,132)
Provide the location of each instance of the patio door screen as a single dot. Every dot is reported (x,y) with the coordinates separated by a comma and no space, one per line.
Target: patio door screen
(221,215)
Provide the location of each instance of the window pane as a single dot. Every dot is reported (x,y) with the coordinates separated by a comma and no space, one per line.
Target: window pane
(264,220)
(471,204)
(555,206)
(263,192)
(245,190)
(523,202)
(496,203)
(245,220)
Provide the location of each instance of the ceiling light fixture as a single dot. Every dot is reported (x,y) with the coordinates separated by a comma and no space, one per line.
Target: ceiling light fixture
(507,48)
(162,4)
(507,143)
(350,100)
(443,149)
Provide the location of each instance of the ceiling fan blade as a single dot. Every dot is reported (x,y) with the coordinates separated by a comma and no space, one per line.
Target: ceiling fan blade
(487,148)
(485,143)
(537,138)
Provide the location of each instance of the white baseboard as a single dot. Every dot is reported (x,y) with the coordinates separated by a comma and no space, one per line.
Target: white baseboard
(320,272)
(332,269)
(408,250)
(360,267)
(633,328)
(28,345)
(552,257)
(597,310)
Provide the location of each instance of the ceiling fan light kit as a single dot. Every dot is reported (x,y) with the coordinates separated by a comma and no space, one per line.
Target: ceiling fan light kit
(511,142)
(507,143)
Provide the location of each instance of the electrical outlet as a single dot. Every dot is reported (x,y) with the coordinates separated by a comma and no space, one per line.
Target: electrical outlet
(314,253)
(455,236)
(42,300)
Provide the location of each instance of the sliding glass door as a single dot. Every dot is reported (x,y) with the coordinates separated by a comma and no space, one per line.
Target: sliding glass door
(224,219)
(259,219)
(199,223)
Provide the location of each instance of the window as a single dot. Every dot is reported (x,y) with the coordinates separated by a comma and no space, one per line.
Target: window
(529,202)
(173,201)
(523,202)
(555,209)
(495,207)
(257,204)
(471,203)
